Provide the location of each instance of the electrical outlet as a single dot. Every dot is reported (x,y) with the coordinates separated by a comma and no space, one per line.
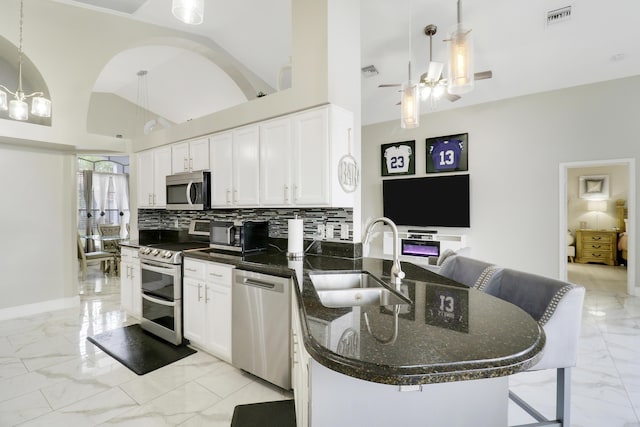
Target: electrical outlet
(329,231)
(344,231)
(321,231)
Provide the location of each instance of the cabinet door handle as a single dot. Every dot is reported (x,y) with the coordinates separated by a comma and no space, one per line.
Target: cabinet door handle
(190,164)
(235,196)
(286,193)
(295,193)
(150,199)
(596,246)
(215,274)
(185,167)
(199,295)
(597,237)
(228,198)
(206,294)
(154,199)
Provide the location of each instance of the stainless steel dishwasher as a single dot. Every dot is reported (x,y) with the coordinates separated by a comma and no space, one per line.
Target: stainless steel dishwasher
(261,327)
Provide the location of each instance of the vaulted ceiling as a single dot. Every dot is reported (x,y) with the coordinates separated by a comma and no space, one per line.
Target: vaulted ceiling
(512,39)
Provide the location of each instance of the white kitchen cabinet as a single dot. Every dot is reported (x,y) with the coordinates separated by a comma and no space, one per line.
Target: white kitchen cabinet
(207,306)
(299,156)
(190,156)
(234,161)
(153,167)
(300,379)
(130,281)
(276,157)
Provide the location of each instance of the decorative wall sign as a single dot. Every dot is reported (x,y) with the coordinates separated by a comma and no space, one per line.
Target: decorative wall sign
(593,187)
(448,153)
(398,158)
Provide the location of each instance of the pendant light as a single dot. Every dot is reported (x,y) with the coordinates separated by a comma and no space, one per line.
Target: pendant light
(188,11)
(18,107)
(410,102)
(432,85)
(460,76)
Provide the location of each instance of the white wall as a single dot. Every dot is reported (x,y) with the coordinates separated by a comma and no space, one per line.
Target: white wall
(38,214)
(515,148)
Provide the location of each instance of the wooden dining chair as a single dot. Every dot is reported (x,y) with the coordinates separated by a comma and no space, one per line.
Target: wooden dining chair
(86,257)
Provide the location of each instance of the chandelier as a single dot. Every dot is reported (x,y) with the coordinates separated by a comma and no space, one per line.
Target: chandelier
(188,11)
(18,107)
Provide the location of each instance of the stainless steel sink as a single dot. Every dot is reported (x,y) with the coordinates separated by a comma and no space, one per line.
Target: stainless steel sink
(354,289)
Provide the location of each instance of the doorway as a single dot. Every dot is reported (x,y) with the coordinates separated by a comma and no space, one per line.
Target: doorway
(576,212)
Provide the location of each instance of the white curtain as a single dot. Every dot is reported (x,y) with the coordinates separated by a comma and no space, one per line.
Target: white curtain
(107,199)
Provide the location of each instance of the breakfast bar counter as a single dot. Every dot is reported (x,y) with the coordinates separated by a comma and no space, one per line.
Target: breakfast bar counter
(447,332)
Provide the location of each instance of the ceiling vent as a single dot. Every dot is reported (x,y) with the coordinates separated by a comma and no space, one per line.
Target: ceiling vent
(123,6)
(369,71)
(558,15)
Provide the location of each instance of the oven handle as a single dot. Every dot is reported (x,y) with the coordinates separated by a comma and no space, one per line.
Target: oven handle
(157,269)
(158,301)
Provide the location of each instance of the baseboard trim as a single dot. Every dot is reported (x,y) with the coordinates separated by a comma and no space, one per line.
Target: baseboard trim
(39,307)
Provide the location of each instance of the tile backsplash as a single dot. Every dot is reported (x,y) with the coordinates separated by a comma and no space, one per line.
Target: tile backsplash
(312,217)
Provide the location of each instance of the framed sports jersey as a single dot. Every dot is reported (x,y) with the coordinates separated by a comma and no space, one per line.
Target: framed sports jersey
(398,158)
(448,153)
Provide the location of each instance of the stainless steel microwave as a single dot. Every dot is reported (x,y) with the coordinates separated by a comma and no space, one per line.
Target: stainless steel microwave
(189,191)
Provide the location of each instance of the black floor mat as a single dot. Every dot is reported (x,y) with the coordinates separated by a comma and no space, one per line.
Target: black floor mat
(138,350)
(280,413)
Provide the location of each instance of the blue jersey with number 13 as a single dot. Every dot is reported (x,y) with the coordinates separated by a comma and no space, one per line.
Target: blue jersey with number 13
(446,154)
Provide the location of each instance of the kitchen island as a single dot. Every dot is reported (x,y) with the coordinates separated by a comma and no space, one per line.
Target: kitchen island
(440,358)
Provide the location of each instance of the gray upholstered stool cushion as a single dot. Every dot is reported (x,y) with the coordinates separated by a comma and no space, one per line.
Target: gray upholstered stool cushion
(468,271)
(556,305)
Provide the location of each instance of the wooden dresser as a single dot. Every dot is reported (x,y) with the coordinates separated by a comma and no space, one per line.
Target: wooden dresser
(597,246)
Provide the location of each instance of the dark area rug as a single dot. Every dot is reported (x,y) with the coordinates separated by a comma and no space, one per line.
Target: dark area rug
(138,350)
(281,413)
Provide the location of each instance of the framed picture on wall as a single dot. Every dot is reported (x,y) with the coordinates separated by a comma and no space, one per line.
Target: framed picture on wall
(593,187)
(448,153)
(398,158)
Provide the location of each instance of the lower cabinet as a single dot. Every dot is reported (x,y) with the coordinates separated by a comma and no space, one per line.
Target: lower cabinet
(300,380)
(207,306)
(130,284)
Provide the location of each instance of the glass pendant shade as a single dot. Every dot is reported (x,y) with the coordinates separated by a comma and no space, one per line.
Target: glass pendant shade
(188,11)
(3,101)
(410,105)
(18,110)
(41,107)
(460,78)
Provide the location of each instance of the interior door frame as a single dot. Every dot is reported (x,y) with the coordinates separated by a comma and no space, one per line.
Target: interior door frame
(631,216)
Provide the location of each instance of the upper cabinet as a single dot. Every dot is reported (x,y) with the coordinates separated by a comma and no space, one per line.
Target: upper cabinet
(190,156)
(290,161)
(235,164)
(153,167)
(299,158)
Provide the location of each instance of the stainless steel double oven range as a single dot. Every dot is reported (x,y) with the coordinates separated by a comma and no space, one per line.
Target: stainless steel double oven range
(161,277)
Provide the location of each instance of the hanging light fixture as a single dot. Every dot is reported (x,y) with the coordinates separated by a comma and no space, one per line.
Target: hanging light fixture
(432,86)
(460,77)
(410,102)
(18,107)
(188,11)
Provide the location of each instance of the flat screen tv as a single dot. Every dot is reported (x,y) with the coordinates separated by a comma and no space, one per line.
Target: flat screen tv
(441,201)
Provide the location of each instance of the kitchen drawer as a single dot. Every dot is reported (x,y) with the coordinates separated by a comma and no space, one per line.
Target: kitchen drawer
(128,255)
(219,273)
(194,269)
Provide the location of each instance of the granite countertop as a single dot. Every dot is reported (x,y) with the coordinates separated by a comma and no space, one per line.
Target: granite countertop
(482,337)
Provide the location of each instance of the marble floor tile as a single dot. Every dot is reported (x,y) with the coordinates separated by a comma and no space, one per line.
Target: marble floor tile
(50,375)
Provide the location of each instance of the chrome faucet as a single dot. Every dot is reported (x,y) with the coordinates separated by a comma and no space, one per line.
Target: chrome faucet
(396,272)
